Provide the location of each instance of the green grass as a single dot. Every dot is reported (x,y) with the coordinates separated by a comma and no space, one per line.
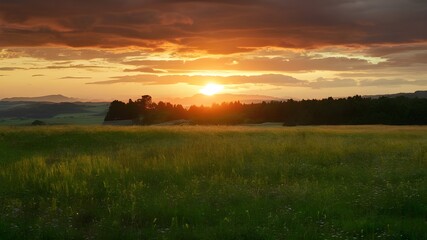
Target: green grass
(213,183)
(63,119)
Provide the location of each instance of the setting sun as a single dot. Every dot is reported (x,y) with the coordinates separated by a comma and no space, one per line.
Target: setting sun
(211,89)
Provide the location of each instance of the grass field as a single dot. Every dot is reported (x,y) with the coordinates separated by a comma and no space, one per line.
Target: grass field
(213,182)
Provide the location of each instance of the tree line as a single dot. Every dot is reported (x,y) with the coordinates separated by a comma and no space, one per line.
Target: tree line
(329,111)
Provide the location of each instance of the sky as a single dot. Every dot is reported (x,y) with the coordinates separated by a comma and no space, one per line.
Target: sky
(120,49)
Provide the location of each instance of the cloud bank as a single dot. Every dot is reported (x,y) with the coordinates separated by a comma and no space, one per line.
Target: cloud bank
(267,79)
(215,26)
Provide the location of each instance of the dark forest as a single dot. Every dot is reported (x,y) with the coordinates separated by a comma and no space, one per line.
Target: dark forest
(342,111)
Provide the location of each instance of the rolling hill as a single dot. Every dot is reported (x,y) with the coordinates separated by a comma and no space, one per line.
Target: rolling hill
(416,94)
(49,98)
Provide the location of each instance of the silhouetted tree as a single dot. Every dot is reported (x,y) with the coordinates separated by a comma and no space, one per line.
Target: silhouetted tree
(117,111)
(351,110)
(38,123)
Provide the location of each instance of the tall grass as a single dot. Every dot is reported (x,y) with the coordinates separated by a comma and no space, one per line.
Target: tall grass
(213,183)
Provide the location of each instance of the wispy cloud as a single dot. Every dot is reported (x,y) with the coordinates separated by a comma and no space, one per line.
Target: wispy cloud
(267,79)
(73,77)
(10,68)
(393,82)
(145,70)
(272,79)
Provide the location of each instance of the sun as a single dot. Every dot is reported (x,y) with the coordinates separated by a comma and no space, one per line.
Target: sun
(211,89)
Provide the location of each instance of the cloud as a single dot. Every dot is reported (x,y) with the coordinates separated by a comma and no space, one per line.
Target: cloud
(365,74)
(392,82)
(271,79)
(145,69)
(74,66)
(69,66)
(277,80)
(216,26)
(332,83)
(295,63)
(66,55)
(73,77)
(373,60)
(9,68)
(38,75)
(389,50)
(77,66)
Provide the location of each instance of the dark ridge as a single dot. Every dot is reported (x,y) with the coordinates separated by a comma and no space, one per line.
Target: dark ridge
(42,110)
(49,98)
(342,111)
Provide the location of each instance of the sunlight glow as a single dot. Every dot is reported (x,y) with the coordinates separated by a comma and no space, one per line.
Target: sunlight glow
(211,89)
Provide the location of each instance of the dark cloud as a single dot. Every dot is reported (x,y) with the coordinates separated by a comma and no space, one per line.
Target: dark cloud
(10,68)
(212,25)
(389,50)
(38,75)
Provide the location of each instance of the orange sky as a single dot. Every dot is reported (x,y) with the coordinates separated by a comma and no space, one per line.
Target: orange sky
(116,49)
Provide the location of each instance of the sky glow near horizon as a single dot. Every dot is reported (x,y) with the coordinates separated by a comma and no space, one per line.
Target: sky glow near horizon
(120,49)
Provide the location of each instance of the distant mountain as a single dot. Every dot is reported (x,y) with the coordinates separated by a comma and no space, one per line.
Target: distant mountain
(42,110)
(24,113)
(200,99)
(49,98)
(417,94)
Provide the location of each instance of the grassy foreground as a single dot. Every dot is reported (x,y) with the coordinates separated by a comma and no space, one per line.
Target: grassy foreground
(213,183)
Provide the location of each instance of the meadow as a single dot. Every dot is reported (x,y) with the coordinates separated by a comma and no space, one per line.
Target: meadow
(213,182)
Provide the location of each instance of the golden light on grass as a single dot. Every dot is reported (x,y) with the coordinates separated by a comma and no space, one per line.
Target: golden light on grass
(211,89)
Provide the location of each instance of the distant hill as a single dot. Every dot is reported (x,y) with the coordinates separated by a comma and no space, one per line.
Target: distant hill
(42,110)
(200,99)
(417,94)
(49,98)
(24,113)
